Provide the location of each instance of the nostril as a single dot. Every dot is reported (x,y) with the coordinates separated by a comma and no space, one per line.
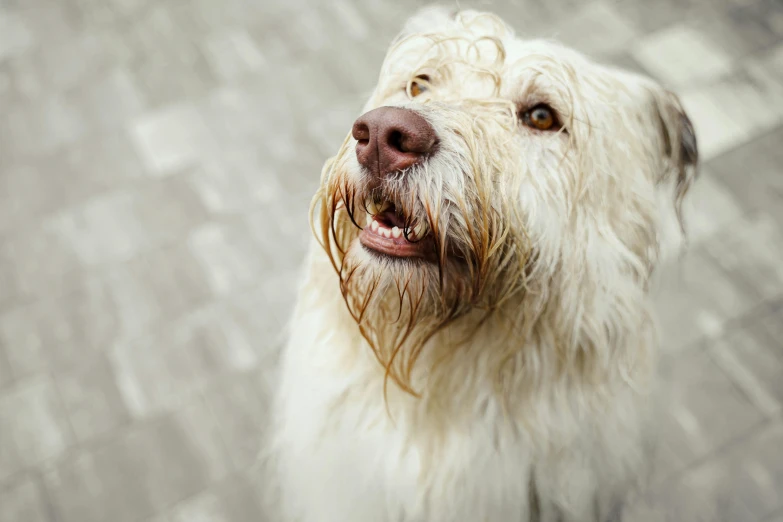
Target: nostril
(361,132)
(396,140)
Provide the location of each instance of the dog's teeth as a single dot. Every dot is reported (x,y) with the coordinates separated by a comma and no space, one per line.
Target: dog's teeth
(420,229)
(396,232)
(409,233)
(369,220)
(374,225)
(386,232)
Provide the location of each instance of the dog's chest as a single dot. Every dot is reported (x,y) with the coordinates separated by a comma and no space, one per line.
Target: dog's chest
(346,454)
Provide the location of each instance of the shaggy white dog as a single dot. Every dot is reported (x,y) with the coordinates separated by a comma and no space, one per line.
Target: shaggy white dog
(473,339)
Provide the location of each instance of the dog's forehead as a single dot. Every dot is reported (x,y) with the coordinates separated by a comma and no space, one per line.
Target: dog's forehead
(476,55)
(474,40)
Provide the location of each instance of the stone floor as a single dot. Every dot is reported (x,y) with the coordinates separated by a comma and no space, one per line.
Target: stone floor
(156,162)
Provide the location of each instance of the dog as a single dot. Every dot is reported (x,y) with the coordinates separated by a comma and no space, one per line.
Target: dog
(473,339)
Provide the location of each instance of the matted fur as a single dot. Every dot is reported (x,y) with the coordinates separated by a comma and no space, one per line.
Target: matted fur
(506,379)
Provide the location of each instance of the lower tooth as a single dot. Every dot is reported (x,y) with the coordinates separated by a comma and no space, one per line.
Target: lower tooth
(369,220)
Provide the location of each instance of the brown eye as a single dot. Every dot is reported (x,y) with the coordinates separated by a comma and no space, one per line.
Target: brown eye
(541,117)
(419,85)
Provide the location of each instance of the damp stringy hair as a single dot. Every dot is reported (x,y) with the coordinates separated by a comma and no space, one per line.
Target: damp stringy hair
(481,261)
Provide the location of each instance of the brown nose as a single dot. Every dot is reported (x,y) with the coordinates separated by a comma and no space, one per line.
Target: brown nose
(391,139)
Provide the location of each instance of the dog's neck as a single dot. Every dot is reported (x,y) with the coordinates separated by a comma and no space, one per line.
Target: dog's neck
(513,361)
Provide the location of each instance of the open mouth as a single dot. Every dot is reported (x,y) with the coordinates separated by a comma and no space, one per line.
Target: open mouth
(385,232)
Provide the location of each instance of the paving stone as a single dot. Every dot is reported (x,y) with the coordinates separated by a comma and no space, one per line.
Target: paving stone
(16,36)
(241,405)
(28,190)
(772,326)
(100,164)
(651,17)
(772,63)
(731,111)
(155,288)
(91,398)
(38,260)
(595,29)
(680,55)
(104,229)
(162,370)
(110,100)
(231,54)
(696,298)
(752,174)
(750,251)
(235,500)
(6,371)
(228,255)
(754,362)
(739,31)
(168,209)
(740,484)
(23,501)
(171,139)
(42,128)
(140,472)
(709,208)
(35,427)
(58,331)
(704,410)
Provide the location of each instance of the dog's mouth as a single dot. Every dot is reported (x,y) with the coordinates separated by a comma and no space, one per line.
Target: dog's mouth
(387,231)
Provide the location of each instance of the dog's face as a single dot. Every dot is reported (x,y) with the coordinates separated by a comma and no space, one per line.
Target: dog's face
(492,175)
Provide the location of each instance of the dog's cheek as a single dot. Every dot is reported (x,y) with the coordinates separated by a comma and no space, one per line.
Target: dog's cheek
(542,223)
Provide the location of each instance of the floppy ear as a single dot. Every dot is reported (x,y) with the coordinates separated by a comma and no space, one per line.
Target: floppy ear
(679,148)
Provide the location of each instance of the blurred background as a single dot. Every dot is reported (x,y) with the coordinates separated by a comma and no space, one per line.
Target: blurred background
(157,158)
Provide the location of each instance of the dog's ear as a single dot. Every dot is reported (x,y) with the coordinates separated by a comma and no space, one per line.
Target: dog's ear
(678,146)
(429,19)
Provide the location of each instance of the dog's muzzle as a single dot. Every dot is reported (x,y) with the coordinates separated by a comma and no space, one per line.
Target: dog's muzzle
(389,141)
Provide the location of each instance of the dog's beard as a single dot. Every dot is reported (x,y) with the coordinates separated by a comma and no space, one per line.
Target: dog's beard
(475,260)
(399,305)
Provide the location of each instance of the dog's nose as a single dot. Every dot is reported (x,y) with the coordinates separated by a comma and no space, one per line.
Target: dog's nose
(391,139)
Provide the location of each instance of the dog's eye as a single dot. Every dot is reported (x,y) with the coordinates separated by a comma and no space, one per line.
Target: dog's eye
(541,117)
(419,85)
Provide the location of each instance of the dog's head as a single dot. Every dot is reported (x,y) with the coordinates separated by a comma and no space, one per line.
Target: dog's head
(490,175)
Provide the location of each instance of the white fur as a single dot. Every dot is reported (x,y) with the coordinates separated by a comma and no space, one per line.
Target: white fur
(546,403)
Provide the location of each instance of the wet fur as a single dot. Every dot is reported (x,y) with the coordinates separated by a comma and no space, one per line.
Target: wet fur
(508,379)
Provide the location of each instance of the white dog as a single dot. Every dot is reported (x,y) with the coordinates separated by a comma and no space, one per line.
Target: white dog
(473,339)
